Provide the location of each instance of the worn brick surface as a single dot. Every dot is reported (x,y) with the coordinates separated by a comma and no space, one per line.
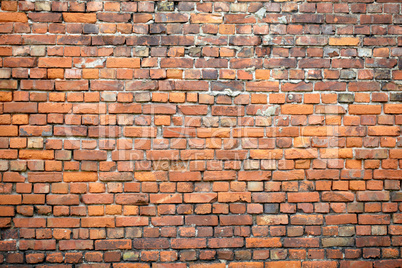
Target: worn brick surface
(215,133)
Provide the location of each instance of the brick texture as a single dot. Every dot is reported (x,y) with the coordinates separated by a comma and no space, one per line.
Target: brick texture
(215,133)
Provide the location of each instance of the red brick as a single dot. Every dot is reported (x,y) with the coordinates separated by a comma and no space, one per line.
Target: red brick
(306,220)
(79,176)
(341,219)
(184,176)
(79,17)
(206,18)
(200,198)
(62,199)
(235,220)
(55,62)
(166,198)
(131,221)
(76,244)
(201,220)
(13,17)
(188,243)
(372,196)
(123,63)
(225,242)
(268,197)
(272,220)
(303,197)
(279,264)
(113,244)
(29,223)
(301,242)
(95,222)
(167,221)
(131,199)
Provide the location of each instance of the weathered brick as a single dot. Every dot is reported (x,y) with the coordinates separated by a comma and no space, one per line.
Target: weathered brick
(79,17)
(263,242)
(344,41)
(113,244)
(206,18)
(123,63)
(188,243)
(301,242)
(272,220)
(13,17)
(338,242)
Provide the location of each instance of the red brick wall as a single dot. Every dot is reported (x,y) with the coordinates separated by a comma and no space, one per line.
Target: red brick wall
(215,132)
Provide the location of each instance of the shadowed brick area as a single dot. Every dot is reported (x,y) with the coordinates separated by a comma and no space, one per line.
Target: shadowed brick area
(201,134)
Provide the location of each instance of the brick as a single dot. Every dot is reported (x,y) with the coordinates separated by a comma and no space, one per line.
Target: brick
(63,222)
(263,242)
(393,108)
(306,220)
(123,63)
(80,85)
(17,62)
(131,199)
(13,17)
(235,220)
(373,241)
(171,17)
(374,219)
(272,220)
(262,86)
(254,175)
(278,264)
(150,176)
(188,243)
(131,221)
(6,131)
(113,244)
(387,174)
(166,198)
(372,196)
(300,153)
(303,197)
(79,176)
(79,17)
(29,223)
(150,243)
(344,41)
(219,175)
(11,200)
(225,242)
(114,17)
(76,244)
(301,242)
(341,219)
(364,109)
(184,176)
(97,222)
(338,242)
(200,198)
(167,221)
(206,18)
(337,196)
(34,154)
(200,220)
(170,140)
(268,197)
(130,265)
